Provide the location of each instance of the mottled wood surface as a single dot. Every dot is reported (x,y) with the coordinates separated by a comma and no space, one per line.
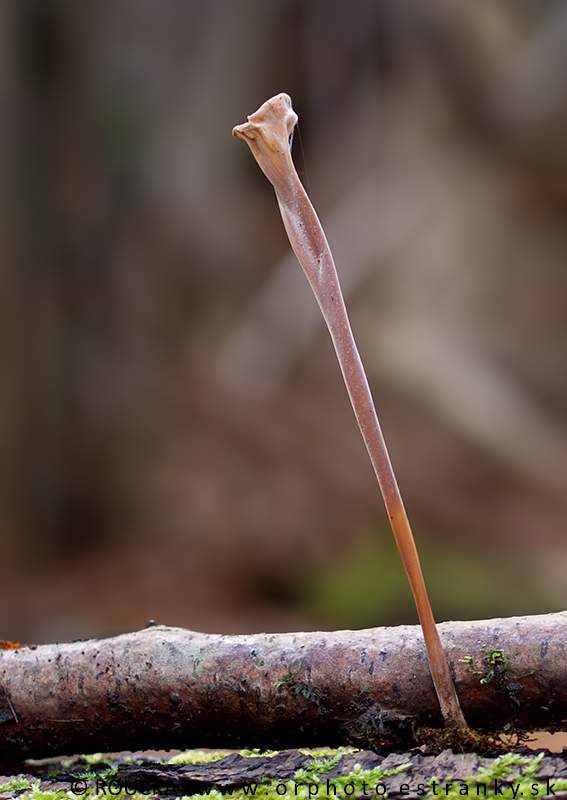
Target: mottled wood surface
(167,687)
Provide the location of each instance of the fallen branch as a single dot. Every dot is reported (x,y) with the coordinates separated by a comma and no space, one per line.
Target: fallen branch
(167,687)
(408,774)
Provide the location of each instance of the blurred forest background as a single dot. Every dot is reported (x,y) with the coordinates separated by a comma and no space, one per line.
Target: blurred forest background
(175,439)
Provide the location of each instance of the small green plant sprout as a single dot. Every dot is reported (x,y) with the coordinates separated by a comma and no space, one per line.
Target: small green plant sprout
(268,133)
(289,681)
(496,669)
(296,686)
(495,665)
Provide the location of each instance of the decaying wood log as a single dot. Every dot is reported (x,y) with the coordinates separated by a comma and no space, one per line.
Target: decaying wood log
(363,773)
(407,774)
(167,687)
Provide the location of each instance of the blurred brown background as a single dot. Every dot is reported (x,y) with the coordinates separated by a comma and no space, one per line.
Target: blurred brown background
(175,439)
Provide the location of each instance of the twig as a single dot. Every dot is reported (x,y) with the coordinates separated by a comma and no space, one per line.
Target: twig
(167,687)
(268,133)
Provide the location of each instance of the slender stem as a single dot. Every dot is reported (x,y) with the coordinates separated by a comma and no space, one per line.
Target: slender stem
(268,133)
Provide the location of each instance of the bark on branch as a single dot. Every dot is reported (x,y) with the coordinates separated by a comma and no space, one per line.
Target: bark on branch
(167,687)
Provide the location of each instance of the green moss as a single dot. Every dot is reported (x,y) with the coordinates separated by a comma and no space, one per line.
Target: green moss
(200,756)
(509,770)
(321,766)
(15,786)
(296,686)
(309,783)
(289,680)
(36,793)
(495,666)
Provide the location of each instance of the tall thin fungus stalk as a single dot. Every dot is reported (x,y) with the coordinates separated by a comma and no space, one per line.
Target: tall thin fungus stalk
(268,133)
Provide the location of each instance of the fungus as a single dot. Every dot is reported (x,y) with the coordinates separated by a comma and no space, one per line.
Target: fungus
(268,133)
